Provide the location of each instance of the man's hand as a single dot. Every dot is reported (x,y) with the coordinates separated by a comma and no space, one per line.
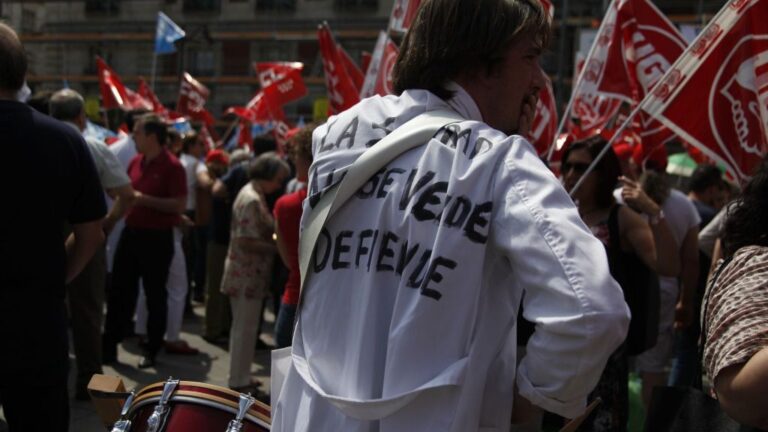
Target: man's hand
(526,115)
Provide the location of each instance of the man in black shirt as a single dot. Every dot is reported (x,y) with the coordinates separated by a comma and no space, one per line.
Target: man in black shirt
(50,180)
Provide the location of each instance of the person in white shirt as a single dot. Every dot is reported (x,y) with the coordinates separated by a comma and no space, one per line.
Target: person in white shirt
(408,319)
(85,294)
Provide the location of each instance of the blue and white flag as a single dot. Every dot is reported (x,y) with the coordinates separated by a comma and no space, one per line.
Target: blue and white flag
(166,34)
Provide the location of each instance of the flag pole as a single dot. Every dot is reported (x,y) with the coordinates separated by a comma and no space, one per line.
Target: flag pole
(575,88)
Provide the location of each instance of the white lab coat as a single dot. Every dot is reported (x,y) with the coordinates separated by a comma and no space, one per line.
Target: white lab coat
(409,317)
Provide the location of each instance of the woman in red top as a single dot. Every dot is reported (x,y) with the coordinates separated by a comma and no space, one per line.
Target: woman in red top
(287,214)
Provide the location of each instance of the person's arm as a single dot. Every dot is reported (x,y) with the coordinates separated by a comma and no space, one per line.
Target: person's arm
(85,239)
(717,254)
(175,204)
(689,276)
(667,258)
(636,232)
(204,180)
(741,390)
(124,197)
(282,249)
(220,189)
(577,307)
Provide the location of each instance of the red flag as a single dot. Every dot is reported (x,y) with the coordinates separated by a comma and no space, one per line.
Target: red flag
(281,82)
(136,100)
(544,125)
(403,13)
(245,138)
(715,96)
(365,61)
(635,45)
(192,97)
(149,95)
(342,93)
(258,110)
(548,8)
(113,94)
(353,70)
(378,78)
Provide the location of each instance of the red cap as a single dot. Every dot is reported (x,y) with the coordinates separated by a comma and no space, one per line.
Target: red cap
(217,156)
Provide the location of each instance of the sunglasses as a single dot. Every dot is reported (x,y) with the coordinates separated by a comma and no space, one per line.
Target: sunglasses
(577,167)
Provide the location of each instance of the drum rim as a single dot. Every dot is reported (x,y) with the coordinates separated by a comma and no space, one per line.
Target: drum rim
(191,397)
(152,392)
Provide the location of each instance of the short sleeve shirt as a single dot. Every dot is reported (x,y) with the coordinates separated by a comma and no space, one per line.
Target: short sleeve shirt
(288,210)
(162,177)
(245,270)
(60,185)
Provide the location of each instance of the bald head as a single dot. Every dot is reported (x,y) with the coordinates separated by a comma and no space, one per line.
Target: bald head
(66,105)
(13,61)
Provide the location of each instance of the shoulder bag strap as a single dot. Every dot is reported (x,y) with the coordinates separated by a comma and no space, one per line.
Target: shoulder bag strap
(412,134)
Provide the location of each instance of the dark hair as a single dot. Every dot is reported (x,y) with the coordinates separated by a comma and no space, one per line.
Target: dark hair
(608,168)
(706,176)
(130,117)
(656,185)
(745,223)
(189,141)
(154,125)
(13,60)
(40,101)
(266,166)
(264,143)
(451,37)
(66,104)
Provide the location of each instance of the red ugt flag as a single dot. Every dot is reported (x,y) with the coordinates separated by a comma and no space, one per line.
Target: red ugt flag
(149,95)
(403,13)
(192,97)
(281,82)
(342,93)
(716,95)
(544,125)
(378,77)
(113,94)
(636,44)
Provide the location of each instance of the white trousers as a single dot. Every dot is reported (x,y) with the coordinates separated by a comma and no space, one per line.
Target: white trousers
(242,337)
(176,287)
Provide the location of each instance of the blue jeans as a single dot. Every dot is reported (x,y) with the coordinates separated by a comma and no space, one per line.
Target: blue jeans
(284,325)
(684,365)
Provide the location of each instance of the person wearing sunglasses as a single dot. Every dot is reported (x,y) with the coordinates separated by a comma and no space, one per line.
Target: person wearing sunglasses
(628,238)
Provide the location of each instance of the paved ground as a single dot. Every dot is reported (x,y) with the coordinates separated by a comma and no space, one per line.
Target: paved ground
(210,366)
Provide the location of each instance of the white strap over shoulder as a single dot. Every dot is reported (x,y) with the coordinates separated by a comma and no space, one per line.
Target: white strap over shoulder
(412,134)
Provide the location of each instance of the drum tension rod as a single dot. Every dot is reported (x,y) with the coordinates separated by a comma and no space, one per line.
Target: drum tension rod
(123,424)
(246,402)
(156,421)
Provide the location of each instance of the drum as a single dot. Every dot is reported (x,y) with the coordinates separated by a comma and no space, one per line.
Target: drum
(188,406)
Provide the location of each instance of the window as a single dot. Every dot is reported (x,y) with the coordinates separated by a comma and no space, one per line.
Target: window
(275,5)
(202,5)
(200,62)
(102,6)
(355,5)
(235,58)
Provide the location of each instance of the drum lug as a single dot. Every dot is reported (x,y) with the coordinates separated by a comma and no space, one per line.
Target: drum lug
(246,401)
(159,415)
(123,424)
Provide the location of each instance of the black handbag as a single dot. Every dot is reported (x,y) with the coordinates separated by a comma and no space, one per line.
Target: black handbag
(640,285)
(688,409)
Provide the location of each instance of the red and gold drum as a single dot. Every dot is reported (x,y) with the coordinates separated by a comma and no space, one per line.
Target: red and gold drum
(188,406)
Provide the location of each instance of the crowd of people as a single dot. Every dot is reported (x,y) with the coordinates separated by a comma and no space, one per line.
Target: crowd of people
(420,282)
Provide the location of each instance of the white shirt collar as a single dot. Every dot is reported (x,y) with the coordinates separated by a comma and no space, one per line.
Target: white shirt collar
(463,103)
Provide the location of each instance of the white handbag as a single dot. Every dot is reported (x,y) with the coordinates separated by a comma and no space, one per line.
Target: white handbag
(413,133)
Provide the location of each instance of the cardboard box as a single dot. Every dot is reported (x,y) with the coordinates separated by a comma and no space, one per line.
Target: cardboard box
(108,395)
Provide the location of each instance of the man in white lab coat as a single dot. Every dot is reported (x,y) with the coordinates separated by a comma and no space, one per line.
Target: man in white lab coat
(408,321)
